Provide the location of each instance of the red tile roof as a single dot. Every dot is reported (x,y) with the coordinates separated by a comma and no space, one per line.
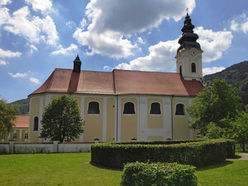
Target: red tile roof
(119,82)
(21,121)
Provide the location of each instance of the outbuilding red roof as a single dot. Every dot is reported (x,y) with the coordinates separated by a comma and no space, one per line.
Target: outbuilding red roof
(119,82)
(21,121)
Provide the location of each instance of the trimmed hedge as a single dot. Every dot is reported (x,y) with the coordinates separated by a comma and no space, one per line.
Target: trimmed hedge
(197,153)
(158,174)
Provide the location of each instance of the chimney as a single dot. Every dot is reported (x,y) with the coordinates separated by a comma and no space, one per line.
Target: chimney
(77,65)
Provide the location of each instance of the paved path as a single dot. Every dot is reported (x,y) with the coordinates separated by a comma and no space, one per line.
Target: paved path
(244,156)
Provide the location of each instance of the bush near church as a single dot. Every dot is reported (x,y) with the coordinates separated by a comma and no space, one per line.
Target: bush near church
(197,153)
(158,174)
(61,120)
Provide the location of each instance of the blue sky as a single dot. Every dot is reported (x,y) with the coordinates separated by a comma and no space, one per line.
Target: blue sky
(38,36)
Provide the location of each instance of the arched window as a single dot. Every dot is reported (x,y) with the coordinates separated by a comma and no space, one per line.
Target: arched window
(129,108)
(93,108)
(36,123)
(180,109)
(155,108)
(193,67)
(180,70)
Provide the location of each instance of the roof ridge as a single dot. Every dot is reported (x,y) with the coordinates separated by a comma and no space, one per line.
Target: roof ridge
(145,71)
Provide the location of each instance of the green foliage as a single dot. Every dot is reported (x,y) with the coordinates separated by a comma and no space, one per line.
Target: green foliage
(214,131)
(197,153)
(237,76)
(61,119)
(7,116)
(158,174)
(240,132)
(213,104)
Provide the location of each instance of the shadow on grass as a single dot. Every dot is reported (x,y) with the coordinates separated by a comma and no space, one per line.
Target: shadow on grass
(223,164)
(103,167)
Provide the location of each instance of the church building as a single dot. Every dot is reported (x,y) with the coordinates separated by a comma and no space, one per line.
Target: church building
(123,105)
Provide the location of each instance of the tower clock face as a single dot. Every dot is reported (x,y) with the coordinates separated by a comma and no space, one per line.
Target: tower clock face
(193,53)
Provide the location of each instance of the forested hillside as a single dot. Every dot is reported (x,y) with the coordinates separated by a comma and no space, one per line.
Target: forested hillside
(237,76)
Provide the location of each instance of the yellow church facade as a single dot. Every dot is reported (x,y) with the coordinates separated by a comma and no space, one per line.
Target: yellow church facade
(125,105)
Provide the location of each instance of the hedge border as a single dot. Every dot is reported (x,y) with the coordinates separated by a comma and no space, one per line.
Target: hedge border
(145,174)
(192,152)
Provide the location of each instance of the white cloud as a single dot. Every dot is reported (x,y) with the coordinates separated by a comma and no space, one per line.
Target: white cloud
(213,43)
(40,5)
(33,48)
(32,28)
(234,25)
(240,23)
(5,2)
(140,40)
(107,68)
(17,75)
(70,24)
(49,29)
(2,62)
(83,23)
(161,58)
(4,15)
(212,70)
(34,80)
(244,27)
(110,44)
(111,21)
(9,54)
(65,51)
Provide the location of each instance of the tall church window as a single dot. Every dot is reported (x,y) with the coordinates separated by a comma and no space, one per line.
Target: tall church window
(36,123)
(180,109)
(155,108)
(129,108)
(193,67)
(180,70)
(93,108)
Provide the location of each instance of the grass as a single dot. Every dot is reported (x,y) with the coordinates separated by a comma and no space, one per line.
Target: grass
(228,173)
(75,169)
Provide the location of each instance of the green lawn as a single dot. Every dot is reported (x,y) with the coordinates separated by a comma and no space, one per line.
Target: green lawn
(74,169)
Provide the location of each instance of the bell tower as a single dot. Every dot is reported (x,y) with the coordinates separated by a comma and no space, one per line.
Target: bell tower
(189,54)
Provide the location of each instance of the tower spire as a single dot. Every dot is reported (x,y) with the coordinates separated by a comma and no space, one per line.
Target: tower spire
(189,53)
(77,64)
(188,39)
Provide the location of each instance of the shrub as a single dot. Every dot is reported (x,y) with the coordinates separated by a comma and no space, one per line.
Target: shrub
(158,174)
(198,153)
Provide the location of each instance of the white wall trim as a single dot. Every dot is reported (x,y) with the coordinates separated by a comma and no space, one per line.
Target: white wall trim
(104,122)
(47,99)
(167,117)
(191,132)
(119,118)
(81,137)
(142,118)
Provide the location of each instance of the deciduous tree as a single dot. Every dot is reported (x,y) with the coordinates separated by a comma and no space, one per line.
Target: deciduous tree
(214,103)
(61,119)
(7,116)
(240,129)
